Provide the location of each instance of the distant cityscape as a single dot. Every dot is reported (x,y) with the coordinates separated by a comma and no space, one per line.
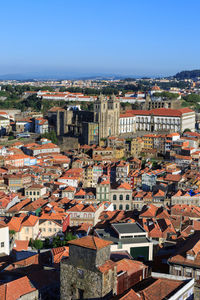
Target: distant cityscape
(100,188)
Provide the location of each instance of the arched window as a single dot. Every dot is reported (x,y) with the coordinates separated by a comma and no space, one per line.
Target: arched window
(121,197)
(120,207)
(127,206)
(114,206)
(127,197)
(114,197)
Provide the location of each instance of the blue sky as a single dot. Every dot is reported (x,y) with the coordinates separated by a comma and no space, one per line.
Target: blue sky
(138,37)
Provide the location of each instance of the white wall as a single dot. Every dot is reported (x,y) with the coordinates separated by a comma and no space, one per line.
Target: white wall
(4,240)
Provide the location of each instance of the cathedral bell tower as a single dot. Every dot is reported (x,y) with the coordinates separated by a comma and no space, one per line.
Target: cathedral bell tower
(106,114)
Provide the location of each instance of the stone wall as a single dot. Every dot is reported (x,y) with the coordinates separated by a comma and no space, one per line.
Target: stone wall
(87,258)
(90,282)
(80,276)
(68,143)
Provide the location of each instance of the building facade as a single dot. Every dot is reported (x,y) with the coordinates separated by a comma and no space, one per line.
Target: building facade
(159,120)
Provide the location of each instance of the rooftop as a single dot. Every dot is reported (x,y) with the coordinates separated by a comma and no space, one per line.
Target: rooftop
(128,228)
(90,242)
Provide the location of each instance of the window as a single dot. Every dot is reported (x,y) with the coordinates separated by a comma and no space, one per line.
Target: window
(127,207)
(178,272)
(34,193)
(30,193)
(115,207)
(55,229)
(121,197)
(2,244)
(49,222)
(197,275)
(188,272)
(49,229)
(44,229)
(114,197)
(127,197)
(38,193)
(120,206)
(80,273)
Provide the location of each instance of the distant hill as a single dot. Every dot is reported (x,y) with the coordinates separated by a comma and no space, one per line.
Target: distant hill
(187,75)
(63,76)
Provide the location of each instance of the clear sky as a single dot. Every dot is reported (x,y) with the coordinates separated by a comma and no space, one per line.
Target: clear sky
(135,37)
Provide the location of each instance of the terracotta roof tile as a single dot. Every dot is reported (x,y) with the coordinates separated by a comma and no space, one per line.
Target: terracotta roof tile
(131,295)
(109,264)
(91,242)
(160,289)
(20,245)
(16,289)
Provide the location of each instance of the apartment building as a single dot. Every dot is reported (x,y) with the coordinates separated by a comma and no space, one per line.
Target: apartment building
(82,213)
(35,191)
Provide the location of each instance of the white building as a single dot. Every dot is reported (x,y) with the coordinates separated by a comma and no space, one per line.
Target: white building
(68,181)
(159,119)
(130,237)
(4,240)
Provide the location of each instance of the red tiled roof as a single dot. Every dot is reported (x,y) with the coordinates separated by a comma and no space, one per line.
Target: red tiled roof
(130,266)
(59,252)
(81,192)
(131,295)
(16,289)
(21,245)
(168,112)
(160,289)
(171,177)
(90,242)
(109,264)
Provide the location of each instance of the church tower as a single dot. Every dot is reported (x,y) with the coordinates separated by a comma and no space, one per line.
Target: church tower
(147,101)
(106,114)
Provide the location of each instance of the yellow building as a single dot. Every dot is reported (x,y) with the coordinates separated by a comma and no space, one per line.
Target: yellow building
(137,144)
(25,228)
(88,179)
(119,153)
(148,140)
(49,227)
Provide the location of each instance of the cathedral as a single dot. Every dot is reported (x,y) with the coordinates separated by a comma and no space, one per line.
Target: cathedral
(89,126)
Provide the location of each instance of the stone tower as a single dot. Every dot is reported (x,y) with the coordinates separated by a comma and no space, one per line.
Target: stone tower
(106,114)
(88,273)
(147,101)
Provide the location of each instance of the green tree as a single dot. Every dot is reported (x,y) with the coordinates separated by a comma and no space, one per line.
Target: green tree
(51,136)
(38,244)
(69,236)
(47,243)
(12,232)
(166,95)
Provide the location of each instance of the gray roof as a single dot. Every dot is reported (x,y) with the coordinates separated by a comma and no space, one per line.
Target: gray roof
(110,235)
(128,228)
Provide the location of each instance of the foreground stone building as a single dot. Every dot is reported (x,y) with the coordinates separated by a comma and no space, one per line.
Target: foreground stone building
(88,273)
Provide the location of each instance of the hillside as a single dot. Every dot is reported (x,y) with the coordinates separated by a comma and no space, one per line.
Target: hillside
(187,74)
